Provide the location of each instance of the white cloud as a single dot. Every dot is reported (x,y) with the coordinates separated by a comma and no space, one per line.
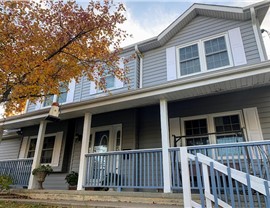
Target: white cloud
(147,26)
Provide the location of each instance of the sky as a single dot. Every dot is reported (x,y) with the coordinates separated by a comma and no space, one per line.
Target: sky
(148,18)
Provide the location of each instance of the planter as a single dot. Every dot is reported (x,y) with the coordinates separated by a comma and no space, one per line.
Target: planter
(72,187)
(41,178)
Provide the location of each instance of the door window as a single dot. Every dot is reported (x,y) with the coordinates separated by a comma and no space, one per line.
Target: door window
(101,141)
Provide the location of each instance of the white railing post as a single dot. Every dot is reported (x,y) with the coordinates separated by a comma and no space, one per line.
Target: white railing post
(206,184)
(186,177)
(84,150)
(165,146)
(38,150)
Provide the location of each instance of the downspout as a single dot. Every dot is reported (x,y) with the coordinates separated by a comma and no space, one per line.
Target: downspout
(258,36)
(140,55)
(26,106)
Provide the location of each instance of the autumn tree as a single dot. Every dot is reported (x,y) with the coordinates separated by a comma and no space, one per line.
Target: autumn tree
(46,44)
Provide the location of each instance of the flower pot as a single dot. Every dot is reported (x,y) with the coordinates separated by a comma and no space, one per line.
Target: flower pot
(40,176)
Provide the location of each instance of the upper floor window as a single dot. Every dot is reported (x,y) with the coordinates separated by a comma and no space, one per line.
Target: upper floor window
(189,60)
(216,53)
(204,55)
(61,98)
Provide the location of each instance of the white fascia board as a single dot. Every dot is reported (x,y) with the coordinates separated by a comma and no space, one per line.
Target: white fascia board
(258,5)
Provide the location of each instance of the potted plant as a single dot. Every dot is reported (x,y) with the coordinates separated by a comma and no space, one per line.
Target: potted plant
(41,172)
(72,180)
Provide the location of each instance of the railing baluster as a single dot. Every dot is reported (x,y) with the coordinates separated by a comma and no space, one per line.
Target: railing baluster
(156,171)
(236,183)
(250,195)
(148,170)
(141,156)
(129,164)
(213,183)
(178,175)
(152,169)
(161,168)
(137,170)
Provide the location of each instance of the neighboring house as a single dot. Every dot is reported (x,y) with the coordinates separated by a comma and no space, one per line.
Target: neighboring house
(205,79)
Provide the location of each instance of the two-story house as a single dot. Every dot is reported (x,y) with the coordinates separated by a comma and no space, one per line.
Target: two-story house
(202,82)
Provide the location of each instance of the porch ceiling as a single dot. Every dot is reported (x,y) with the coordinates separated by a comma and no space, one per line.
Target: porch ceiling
(215,82)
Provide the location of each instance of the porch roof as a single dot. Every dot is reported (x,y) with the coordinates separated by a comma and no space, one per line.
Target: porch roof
(215,82)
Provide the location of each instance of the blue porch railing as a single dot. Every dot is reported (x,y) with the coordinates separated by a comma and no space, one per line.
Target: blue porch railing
(125,169)
(249,157)
(19,170)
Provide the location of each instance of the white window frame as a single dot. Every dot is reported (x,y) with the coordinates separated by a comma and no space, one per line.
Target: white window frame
(109,88)
(57,148)
(210,123)
(70,95)
(202,54)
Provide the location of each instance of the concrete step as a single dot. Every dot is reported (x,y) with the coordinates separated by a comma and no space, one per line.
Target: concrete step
(7,195)
(103,198)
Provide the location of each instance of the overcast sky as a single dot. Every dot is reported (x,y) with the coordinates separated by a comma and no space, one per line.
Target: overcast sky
(148,18)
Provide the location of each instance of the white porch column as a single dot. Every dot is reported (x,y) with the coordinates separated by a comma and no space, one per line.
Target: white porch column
(37,155)
(165,145)
(84,149)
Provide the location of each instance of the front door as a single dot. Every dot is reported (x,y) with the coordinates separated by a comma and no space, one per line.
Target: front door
(105,139)
(102,140)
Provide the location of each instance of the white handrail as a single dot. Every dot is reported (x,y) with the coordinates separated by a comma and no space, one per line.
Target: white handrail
(256,183)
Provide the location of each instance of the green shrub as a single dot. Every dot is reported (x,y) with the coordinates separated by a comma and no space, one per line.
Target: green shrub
(5,182)
(72,178)
(43,168)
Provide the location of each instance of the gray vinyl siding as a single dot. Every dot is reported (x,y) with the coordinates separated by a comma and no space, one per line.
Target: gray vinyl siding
(10,148)
(149,120)
(154,64)
(259,98)
(149,128)
(56,181)
(82,88)
(127,118)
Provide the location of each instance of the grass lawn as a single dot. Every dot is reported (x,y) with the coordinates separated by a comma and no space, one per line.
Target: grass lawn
(8,204)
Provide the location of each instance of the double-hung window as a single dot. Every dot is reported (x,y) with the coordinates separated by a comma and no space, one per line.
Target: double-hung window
(204,55)
(47,150)
(61,98)
(216,53)
(213,128)
(189,60)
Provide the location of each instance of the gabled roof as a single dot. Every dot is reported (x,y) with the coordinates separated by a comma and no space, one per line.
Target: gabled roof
(215,11)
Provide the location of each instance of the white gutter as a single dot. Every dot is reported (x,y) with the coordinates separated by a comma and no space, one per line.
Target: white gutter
(257,34)
(141,65)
